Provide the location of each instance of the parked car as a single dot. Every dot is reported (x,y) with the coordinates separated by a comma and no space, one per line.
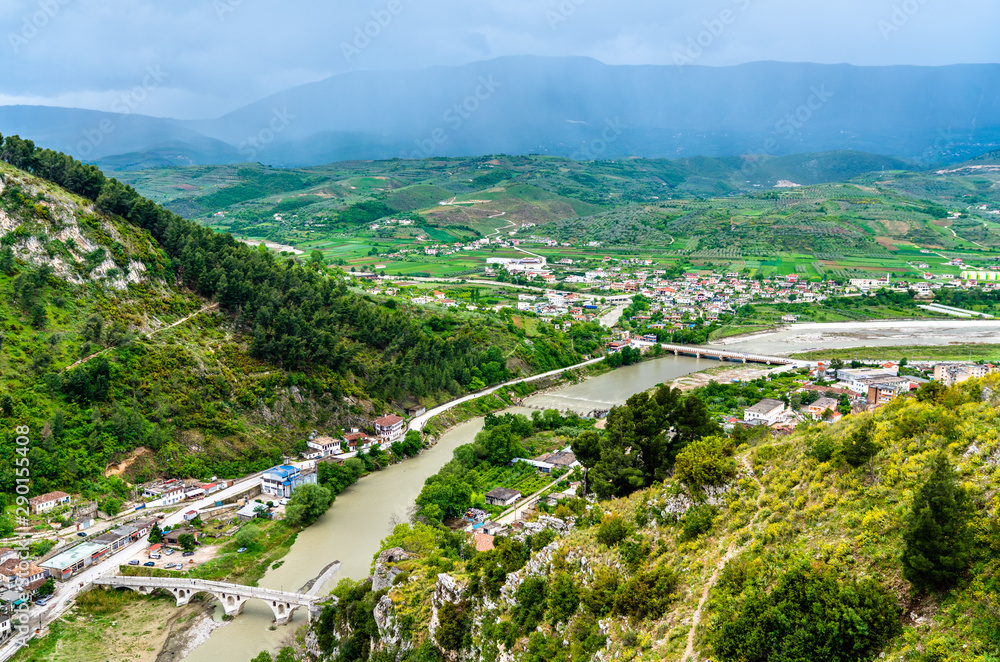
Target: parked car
(134,562)
(41,602)
(82,534)
(188,554)
(169,566)
(149,564)
(283,502)
(241,550)
(168,551)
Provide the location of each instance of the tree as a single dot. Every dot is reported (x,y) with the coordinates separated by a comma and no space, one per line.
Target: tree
(248,536)
(643,438)
(587,449)
(48,587)
(860,447)
(112,506)
(187,542)
(264,656)
(308,502)
(155,534)
(836,364)
(937,544)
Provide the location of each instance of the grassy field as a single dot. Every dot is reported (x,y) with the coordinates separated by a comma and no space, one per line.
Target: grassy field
(112,625)
(977,352)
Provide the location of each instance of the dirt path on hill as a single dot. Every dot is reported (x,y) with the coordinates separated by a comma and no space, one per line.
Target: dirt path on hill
(151,333)
(730,554)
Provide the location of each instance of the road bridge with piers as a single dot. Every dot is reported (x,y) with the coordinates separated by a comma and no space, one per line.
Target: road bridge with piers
(736,357)
(232,596)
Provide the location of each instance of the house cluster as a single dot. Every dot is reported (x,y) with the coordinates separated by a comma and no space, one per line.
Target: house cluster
(388,428)
(950,374)
(64,565)
(559,304)
(864,388)
(174,490)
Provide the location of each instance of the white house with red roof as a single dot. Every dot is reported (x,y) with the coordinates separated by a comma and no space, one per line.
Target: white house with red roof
(389,427)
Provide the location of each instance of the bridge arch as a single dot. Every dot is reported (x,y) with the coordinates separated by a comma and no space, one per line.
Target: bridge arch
(232,596)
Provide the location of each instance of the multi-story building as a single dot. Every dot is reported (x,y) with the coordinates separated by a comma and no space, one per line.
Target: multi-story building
(280,481)
(389,427)
(950,374)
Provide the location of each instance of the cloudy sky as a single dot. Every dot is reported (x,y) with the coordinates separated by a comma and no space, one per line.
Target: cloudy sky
(202,58)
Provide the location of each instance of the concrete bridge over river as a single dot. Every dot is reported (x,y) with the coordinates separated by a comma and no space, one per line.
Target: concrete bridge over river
(232,596)
(736,357)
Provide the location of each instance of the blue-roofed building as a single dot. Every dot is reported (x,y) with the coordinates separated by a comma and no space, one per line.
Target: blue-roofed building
(281,480)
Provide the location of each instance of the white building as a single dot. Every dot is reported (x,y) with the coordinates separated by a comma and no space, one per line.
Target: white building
(389,427)
(46,502)
(767,411)
(325,445)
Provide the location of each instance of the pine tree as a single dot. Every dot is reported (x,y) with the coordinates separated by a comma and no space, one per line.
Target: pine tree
(938,545)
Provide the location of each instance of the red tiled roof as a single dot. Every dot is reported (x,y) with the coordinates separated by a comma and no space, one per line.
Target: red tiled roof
(388,421)
(483,541)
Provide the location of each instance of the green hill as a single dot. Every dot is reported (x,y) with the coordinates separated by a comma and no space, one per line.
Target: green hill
(785,549)
(132,337)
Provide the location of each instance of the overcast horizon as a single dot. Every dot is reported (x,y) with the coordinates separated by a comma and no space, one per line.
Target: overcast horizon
(200,59)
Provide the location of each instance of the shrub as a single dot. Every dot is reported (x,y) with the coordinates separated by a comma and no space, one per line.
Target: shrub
(698,521)
(705,461)
(647,594)
(612,531)
(809,615)
(454,631)
(600,597)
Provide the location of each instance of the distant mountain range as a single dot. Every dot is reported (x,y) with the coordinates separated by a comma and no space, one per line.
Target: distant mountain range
(571,107)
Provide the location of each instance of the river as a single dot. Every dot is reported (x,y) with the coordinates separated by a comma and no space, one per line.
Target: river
(365,513)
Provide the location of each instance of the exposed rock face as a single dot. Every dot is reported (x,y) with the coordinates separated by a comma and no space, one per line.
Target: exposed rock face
(447,590)
(385,572)
(388,626)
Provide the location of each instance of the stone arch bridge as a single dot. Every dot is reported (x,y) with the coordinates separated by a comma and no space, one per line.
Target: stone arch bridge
(232,596)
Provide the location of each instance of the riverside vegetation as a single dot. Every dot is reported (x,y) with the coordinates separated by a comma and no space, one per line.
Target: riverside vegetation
(872,538)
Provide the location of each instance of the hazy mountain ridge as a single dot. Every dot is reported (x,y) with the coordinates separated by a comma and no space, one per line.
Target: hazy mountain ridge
(573,107)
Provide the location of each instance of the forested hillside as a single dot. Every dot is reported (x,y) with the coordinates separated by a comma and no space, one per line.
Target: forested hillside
(875,538)
(198,355)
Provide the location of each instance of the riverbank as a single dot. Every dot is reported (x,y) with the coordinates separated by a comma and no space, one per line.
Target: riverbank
(812,337)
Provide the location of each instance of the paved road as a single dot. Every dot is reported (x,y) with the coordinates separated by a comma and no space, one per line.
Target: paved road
(419,422)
